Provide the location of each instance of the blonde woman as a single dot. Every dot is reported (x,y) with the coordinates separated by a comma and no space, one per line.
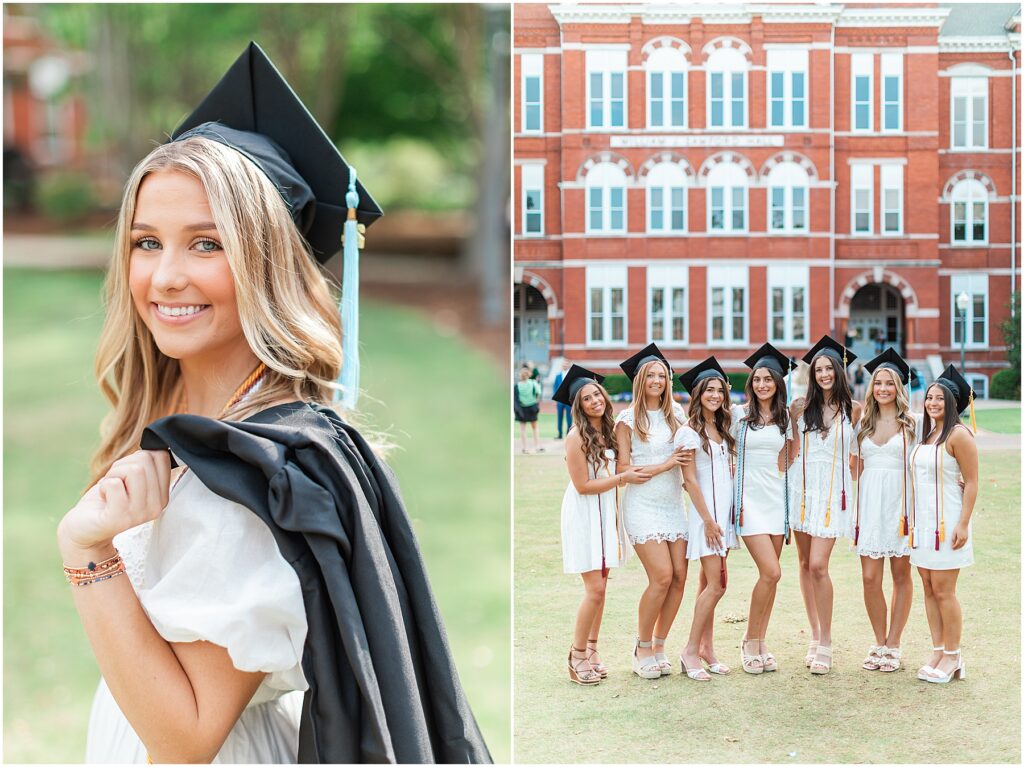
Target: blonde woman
(653,512)
(886,437)
(244,564)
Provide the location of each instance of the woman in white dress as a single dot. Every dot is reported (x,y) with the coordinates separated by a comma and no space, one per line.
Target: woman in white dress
(593,540)
(764,452)
(653,512)
(941,520)
(820,485)
(886,436)
(708,483)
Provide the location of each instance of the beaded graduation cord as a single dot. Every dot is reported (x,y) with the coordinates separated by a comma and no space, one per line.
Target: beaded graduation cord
(741,461)
(904,524)
(600,516)
(714,506)
(832,476)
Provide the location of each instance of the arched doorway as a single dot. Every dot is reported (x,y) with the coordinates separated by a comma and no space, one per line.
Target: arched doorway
(530,327)
(877,308)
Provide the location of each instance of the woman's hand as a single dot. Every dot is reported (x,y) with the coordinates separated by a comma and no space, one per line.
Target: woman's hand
(683,456)
(960,536)
(133,491)
(713,534)
(635,476)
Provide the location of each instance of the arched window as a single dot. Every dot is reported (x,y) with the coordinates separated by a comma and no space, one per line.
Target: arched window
(788,198)
(606,199)
(727,198)
(969,213)
(666,198)
(727,89)
(666,88)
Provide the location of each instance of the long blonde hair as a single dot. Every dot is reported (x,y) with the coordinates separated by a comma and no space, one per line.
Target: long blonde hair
(641,423)
(287,313)
(869,418)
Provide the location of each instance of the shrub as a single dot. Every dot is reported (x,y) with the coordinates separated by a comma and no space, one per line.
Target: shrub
(65,197)
(1005,384)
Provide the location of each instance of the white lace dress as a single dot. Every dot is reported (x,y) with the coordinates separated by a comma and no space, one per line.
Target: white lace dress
(928,463)
(883,498)
(763,485)
(654,511)
(715,480)
(592,527)
(209,569)
(820,483)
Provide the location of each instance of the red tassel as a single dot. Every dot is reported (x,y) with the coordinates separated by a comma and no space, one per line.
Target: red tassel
(723,573)
(604,568)
(843,500)
(856,534)
(936,540)
(741,516)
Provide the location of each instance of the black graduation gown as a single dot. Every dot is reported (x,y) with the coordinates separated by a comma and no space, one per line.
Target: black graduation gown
(382,683)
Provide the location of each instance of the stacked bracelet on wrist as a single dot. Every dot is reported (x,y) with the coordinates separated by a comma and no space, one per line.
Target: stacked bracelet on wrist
(95,572)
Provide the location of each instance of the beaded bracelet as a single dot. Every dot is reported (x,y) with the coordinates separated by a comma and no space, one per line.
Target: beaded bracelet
(95,572)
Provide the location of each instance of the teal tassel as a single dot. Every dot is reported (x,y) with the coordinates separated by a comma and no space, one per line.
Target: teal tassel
(349,378)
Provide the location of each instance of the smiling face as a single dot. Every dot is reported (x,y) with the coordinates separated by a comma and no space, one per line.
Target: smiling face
(655,379)
(824,373)
(763,384)
(713,395)
(883,387)
(935,403)
(179,276)
(591,401)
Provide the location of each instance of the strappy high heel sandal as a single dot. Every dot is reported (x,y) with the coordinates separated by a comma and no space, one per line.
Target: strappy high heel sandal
(752,664)
(599,667)
(959,671)
(812,650)
(891,660)
(577,673)
(768,661)
(645,668)
(927,670)
(874,660)
(715,668)
(696,674)
(663,662)
(822,666)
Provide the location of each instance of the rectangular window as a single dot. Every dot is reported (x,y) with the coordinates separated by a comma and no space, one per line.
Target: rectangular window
(533,199)
(892,199)
(861,194)
(728,209)
(667,291)
(787,98)
(606,305)
(616,209)
(595,213)
(717,208)
(606,84)
(862,70)
(777,98)
(678,222)
(975,316)
(678,80)
(656,89)
(533,84)
(727,296)
(666,99)
(799,209)
(657,208)
(739,212)
(892,91)
(969,112)
(717,100)
(788,208)
(788,285)
(736,93)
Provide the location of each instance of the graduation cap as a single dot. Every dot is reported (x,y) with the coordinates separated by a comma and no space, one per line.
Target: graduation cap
(891,360)
(575,379)
(962,392)
(709,368)
(254,111)
(831,347)
(649,353)
(769,357)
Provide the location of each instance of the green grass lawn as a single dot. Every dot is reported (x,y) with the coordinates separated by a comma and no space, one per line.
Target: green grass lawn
(789,716)
(1003,420)
(452,463)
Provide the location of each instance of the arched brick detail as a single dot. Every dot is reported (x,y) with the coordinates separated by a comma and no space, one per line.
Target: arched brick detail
(726,156)
(977,175)
(665,41)
(672,157)
(613,157)
(802,160)
(878,275)
(545,290)
(728,42)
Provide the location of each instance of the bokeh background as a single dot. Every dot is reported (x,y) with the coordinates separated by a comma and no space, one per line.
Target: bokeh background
(416,98)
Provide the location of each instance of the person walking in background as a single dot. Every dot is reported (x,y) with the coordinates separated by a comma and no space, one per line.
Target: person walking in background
(526,404)
(564,411)
(858,383)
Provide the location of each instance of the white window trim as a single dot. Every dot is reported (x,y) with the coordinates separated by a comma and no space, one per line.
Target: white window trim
(881,201)
(530,70)
(854,74)
(787,69)
(605,278)
(787,229)
(728,278)
(871,202)
(788,277)
(973,379)
(606,96)
(965,283)
(891,57)
(524,170)
(968,147)
(667,97)
(969,242)
(668,279)
(727,98)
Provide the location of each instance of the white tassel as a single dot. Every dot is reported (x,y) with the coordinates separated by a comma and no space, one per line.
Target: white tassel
(349,378)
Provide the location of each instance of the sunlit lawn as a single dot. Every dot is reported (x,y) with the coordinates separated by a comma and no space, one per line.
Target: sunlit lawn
(434,395)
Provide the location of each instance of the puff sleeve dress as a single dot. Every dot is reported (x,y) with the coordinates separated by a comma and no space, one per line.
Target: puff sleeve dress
(592,532)
(209,569)
(715,479)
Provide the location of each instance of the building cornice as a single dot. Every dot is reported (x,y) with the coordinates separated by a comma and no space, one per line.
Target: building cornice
(591,14)
(892,17)
(965,44)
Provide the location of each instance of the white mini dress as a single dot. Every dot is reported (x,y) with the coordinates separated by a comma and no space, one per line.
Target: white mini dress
(715,480)
(883,497)
(820,483)
(654,511)
(209,569)
(592,527)
(928,463)
(760,485)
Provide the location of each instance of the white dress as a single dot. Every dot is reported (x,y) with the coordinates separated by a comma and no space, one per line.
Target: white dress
(820,483)
(585,518)
(883,497)
(950,500)
(209,569)
(715,480)
(654,511)
(763,489)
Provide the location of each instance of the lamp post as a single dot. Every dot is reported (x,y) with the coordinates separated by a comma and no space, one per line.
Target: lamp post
(962,302)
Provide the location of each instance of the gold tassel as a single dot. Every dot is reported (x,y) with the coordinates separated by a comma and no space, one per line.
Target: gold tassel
(911,541)
(942,530)
(803,505)
(903,526)
(828,516)
(970,405)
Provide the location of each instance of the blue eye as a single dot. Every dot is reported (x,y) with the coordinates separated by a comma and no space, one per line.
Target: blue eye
(207,246)
(143,243)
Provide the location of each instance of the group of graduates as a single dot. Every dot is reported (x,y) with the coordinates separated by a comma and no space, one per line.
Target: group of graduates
(810,469)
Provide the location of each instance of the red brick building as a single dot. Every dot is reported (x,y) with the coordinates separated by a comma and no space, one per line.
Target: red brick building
(711,177)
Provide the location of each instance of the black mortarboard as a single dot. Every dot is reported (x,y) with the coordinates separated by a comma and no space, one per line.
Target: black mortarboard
(957,384)
(254,110)
(769,357)
(647,354)
(575,379)
(890,359)
(709,368)
(834,349)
